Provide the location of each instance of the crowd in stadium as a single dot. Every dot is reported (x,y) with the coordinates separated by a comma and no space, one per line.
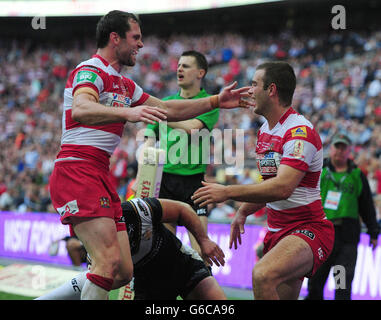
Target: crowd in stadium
(338,89)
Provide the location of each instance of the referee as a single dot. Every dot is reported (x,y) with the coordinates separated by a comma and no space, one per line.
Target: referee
(182,175)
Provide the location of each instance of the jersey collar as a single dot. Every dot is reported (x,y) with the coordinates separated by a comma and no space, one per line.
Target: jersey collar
(200,94)
(286,114)
(105,62)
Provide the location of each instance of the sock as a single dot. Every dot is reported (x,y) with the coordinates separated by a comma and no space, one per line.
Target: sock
(96,287)
(70,290)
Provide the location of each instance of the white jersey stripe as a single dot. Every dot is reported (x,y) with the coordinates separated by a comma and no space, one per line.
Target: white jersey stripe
(103,140)
(301,196)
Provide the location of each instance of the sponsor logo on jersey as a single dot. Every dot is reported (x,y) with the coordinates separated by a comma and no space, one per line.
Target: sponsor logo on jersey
(86,76)
(268,163)
(70,207)
(299,132)
(142,207)
(118,100)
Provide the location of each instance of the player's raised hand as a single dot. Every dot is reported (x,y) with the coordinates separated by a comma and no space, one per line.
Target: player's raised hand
(230,97)
(146,114)
(212,253)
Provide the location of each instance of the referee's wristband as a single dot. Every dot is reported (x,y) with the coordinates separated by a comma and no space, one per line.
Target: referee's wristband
(214,101)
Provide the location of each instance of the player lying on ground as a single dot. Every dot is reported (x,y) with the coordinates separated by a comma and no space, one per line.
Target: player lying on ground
(164,268)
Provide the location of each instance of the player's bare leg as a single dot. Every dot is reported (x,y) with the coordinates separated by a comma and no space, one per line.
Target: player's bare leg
(125,271)
(290,290)
(207,289)
(278,274)
(100,239)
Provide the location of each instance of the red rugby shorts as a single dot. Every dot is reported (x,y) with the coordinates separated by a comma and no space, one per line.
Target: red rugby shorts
(81,189)
(319,235)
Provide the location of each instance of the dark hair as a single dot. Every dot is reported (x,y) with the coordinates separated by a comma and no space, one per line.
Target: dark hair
(283,76)
(114,21)
(202,63)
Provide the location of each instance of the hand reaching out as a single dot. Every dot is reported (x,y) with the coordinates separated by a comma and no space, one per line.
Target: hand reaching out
(230,98)
(209,193)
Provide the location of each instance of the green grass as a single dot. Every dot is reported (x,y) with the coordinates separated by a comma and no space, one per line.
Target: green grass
(10,296)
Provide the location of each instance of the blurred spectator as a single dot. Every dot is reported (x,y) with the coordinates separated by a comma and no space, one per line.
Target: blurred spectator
(222,211)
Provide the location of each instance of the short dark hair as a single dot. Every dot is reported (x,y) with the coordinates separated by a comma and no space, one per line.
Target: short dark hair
(283,75)
(114,21)
(202,63)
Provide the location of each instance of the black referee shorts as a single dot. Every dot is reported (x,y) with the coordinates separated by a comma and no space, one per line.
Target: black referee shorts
(181,188)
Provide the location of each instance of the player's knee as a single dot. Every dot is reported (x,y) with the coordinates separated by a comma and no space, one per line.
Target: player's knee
(258,275)
(263,277)
(107,262)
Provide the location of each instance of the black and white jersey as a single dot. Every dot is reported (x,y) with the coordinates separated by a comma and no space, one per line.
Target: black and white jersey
(163,267)
(147,235)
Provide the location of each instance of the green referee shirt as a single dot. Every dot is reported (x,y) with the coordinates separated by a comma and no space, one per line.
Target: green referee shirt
(185,156)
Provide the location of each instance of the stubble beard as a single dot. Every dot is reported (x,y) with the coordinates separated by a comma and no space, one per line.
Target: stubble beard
(126,60)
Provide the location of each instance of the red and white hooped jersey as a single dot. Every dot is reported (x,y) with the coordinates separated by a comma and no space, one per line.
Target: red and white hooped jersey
(96,142)
(293,142)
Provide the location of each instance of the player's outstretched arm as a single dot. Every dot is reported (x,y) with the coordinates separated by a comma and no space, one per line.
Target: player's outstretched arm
(278,188)
(179,110)
(88,111)
(176,210)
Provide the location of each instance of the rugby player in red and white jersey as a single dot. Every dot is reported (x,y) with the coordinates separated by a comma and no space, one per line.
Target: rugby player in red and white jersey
(290,158)
(98,101)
